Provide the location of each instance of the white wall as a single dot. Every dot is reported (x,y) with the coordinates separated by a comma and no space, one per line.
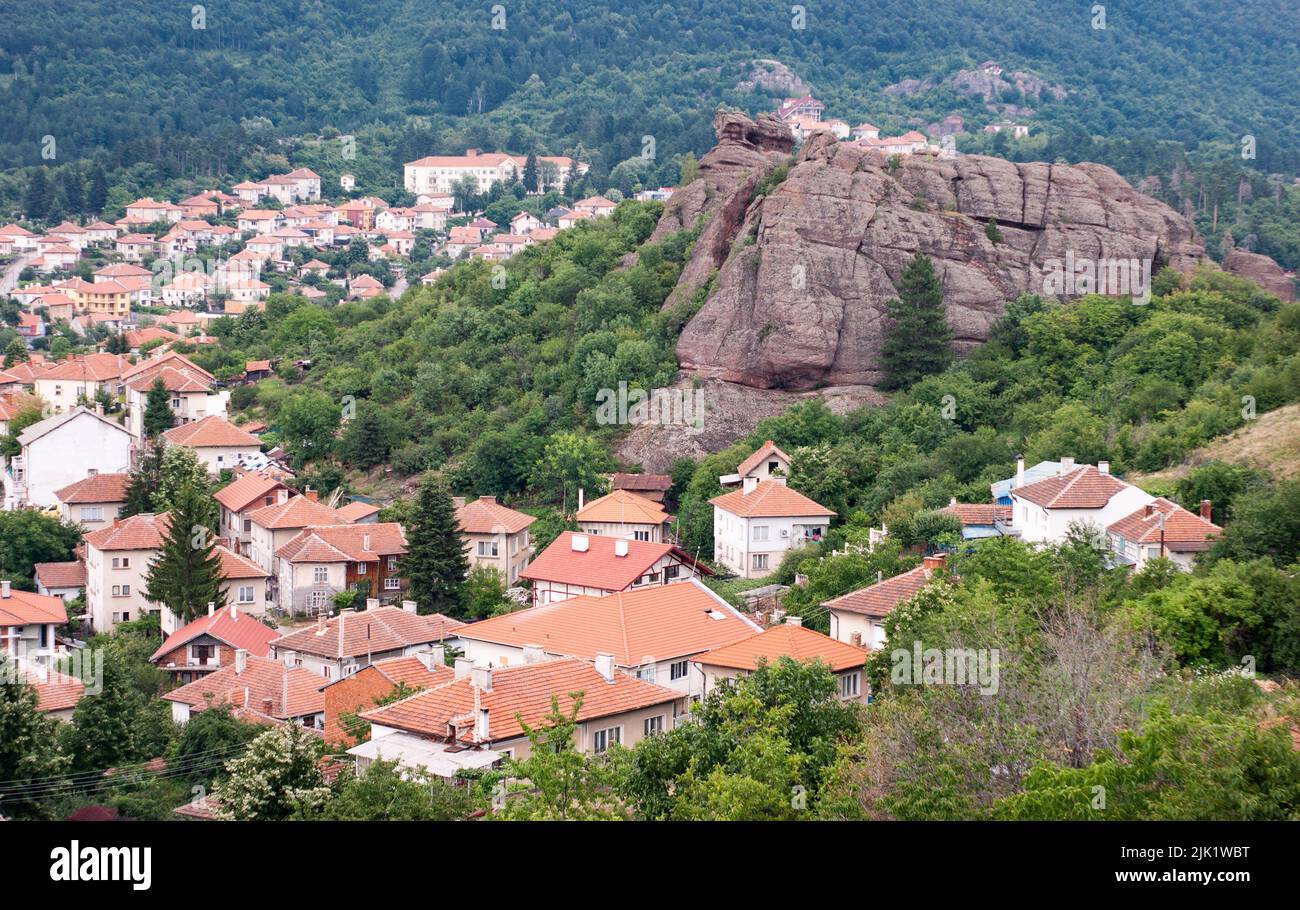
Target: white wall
(70,452)
(734,543)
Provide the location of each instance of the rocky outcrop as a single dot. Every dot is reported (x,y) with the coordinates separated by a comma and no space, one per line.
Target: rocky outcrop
(1263,271)
(772,76)
(804,274)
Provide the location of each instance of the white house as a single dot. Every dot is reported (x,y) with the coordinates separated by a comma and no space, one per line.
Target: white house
(61,450)
(218,443)
(755,526)
(1042,512)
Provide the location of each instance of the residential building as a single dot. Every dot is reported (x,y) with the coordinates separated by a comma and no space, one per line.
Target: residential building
(66,580)
(192,391)
(858,617)
(979,520)
(77,380)
(259,689)
(755,526)
(93,502)
(358,512)
(347,697)
(1043,512)
(1002,489)
(495,536)
(61,450)
(218,443)
(767,461)
(791,640)
(653,487)
(577,564)
(28,622)
(1162,529)
(341,645)
(271,527)
(244,495)
(319,562)
(209,643)
(480,717)
(624,514)
(117,563)
(651,632)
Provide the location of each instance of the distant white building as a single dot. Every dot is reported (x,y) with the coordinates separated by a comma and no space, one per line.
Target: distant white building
(1042,512)
(61,450)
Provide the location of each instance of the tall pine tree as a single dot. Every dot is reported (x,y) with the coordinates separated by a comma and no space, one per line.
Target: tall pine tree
(186,576)
(530,173)
(435,562)
(918,342)
(36,201)
(146,480)
(158,416)
(97,195)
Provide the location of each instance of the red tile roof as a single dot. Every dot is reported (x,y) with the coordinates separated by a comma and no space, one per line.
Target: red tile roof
(656,622)
(96,488)
(785,640)
(21,608)
(247,489)
(978,513)
(351,542)
(622,507)
(765,451)
(357,510)
(770,499)
(291,691)
(139,532)
(213,430)
(880,599)
(1184,531)
(54,575)
(296,512)
(487,516)
(234,566)
(229,625)
(1083,488)
(518,694)
(353,634)
(634,482)
(599,566)
(56,691)
(89,368)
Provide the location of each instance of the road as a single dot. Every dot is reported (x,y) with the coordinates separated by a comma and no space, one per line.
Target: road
(9,280)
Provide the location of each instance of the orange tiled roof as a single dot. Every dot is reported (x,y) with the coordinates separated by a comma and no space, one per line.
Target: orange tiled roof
(978,513)
(89,368)
(234,566)
(1083,488)
(656,622)
(765,451)
(139,532)
(296,512)
(623,507)
(487,516)
(785,640)
(56,691)
(352,634)
(213,430)
(1184,531)
(634,482)
(357,510)
(61,574)
(174,379)
(23,607)
(245,490)
(96,488)
(770,499)
(230,625)
(351,542)
(599,566)
(880,599)
(518,694)
(292,691)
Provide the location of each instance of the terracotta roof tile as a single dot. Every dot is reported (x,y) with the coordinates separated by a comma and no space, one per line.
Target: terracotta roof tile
(370,631)
(785,640)
(296,512)
(765,451)
(139,532)
(599,566)
(487,516)
(880,599)
(292,691)
(23,607)
(634,482)
(770,499)
(247,489)
(1184,531)
(229,625)
(96,488)
(357,510)
(56,691)
(213,430)
(623,507)
(54,575)
(356,543)
(1083,488)
(978,513)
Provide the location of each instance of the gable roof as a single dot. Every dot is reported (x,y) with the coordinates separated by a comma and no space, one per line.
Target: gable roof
(55,691)
(634,482)
(487,516)
(295,512)
(172,358)
(357,510)
(623,507)
(23,607)
(345,543)
(50,424)
(656,622)
(977,513)
(245,490)
(881,598)
(521,693)
(292,691)
(235,566)
(765,451)
(770,499)
(599,566)
(785,640)
(61,574)
(213,430)
(95,488)
(352,634)
(1083,488)
(89,368)
(408,670)
(138,532)
(229,625)
(174,379)
(1184,531)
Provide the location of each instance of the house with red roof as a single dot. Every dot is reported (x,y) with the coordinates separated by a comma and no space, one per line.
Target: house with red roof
(209,643)
(364,689)
(495,536)
(479,718)
(248,492)
(217,442)
(321,561)
(624,514)
(651,632)
(653,487)
(577,564)
(1043,511)
(61,579)
(792,640)
(95,501)
(28,622)
(260,690)
(1162,529)
(358,512)
(755,526)
(338,646)
(57,693)
(766,461)
(858,617)
(272,526)
(192,391)
(117,562)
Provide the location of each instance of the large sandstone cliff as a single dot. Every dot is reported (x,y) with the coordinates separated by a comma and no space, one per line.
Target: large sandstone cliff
(803,275)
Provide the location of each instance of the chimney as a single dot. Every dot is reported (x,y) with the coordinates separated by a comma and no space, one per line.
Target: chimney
(1067,464)
(311,495)
(796,621)
(620,547)
(365,543)
(748,484)
(533,654)
(482,679)
(457,502)
(1206,511)
(464,667)
(433,657)
(5,589)
(1103,467)
(410,606)
(490,500)
(471,153)
(579,543)
(605,666)
(241,661)
(268,707)
(1148,510)
(211,608)
(580,498)
(481,726)
(930,563)
(1020,470)
(320,623)
(281,496)
(372,603)
(234,613)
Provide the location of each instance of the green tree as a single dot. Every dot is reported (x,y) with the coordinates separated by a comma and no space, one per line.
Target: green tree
(1265,522)
(16,353)
(36,201)
(29,746)
(485,594)
(385,793)
(118,725)
(435,564)
(571,462)
(97,195)
(28,537)
(277,778)
(186,575)
(308,421)
(181,467)
(145,481)
(158,416)
(918,341)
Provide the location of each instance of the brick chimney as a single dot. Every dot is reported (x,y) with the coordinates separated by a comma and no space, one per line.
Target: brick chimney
(312,495)
(241,661)
(1206,511)
(929,564)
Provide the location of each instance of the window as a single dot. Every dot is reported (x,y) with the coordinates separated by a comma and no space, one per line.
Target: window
(121,590)
(603,739)
(320,575)
(654,725)
(849,685)
(487,548)
(760,532)
(248,525)
(92,513)
(677,670)
(121,562)
(760,560)
(671,572)
(361,568)
(392,583)
(641,535)
(246,594)
(392,563)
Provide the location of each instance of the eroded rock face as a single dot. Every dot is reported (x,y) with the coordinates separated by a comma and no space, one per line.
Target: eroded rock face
(1262,270)
(804,274)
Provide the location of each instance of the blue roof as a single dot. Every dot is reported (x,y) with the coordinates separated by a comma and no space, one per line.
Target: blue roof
(1041,471)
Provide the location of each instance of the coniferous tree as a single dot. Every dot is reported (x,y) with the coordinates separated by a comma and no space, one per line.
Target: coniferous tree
(530,173)
(146,480)
(72,192)
(158,416)
(435,562)
(97,195)
(919,337)
(36,201)
(186,576)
